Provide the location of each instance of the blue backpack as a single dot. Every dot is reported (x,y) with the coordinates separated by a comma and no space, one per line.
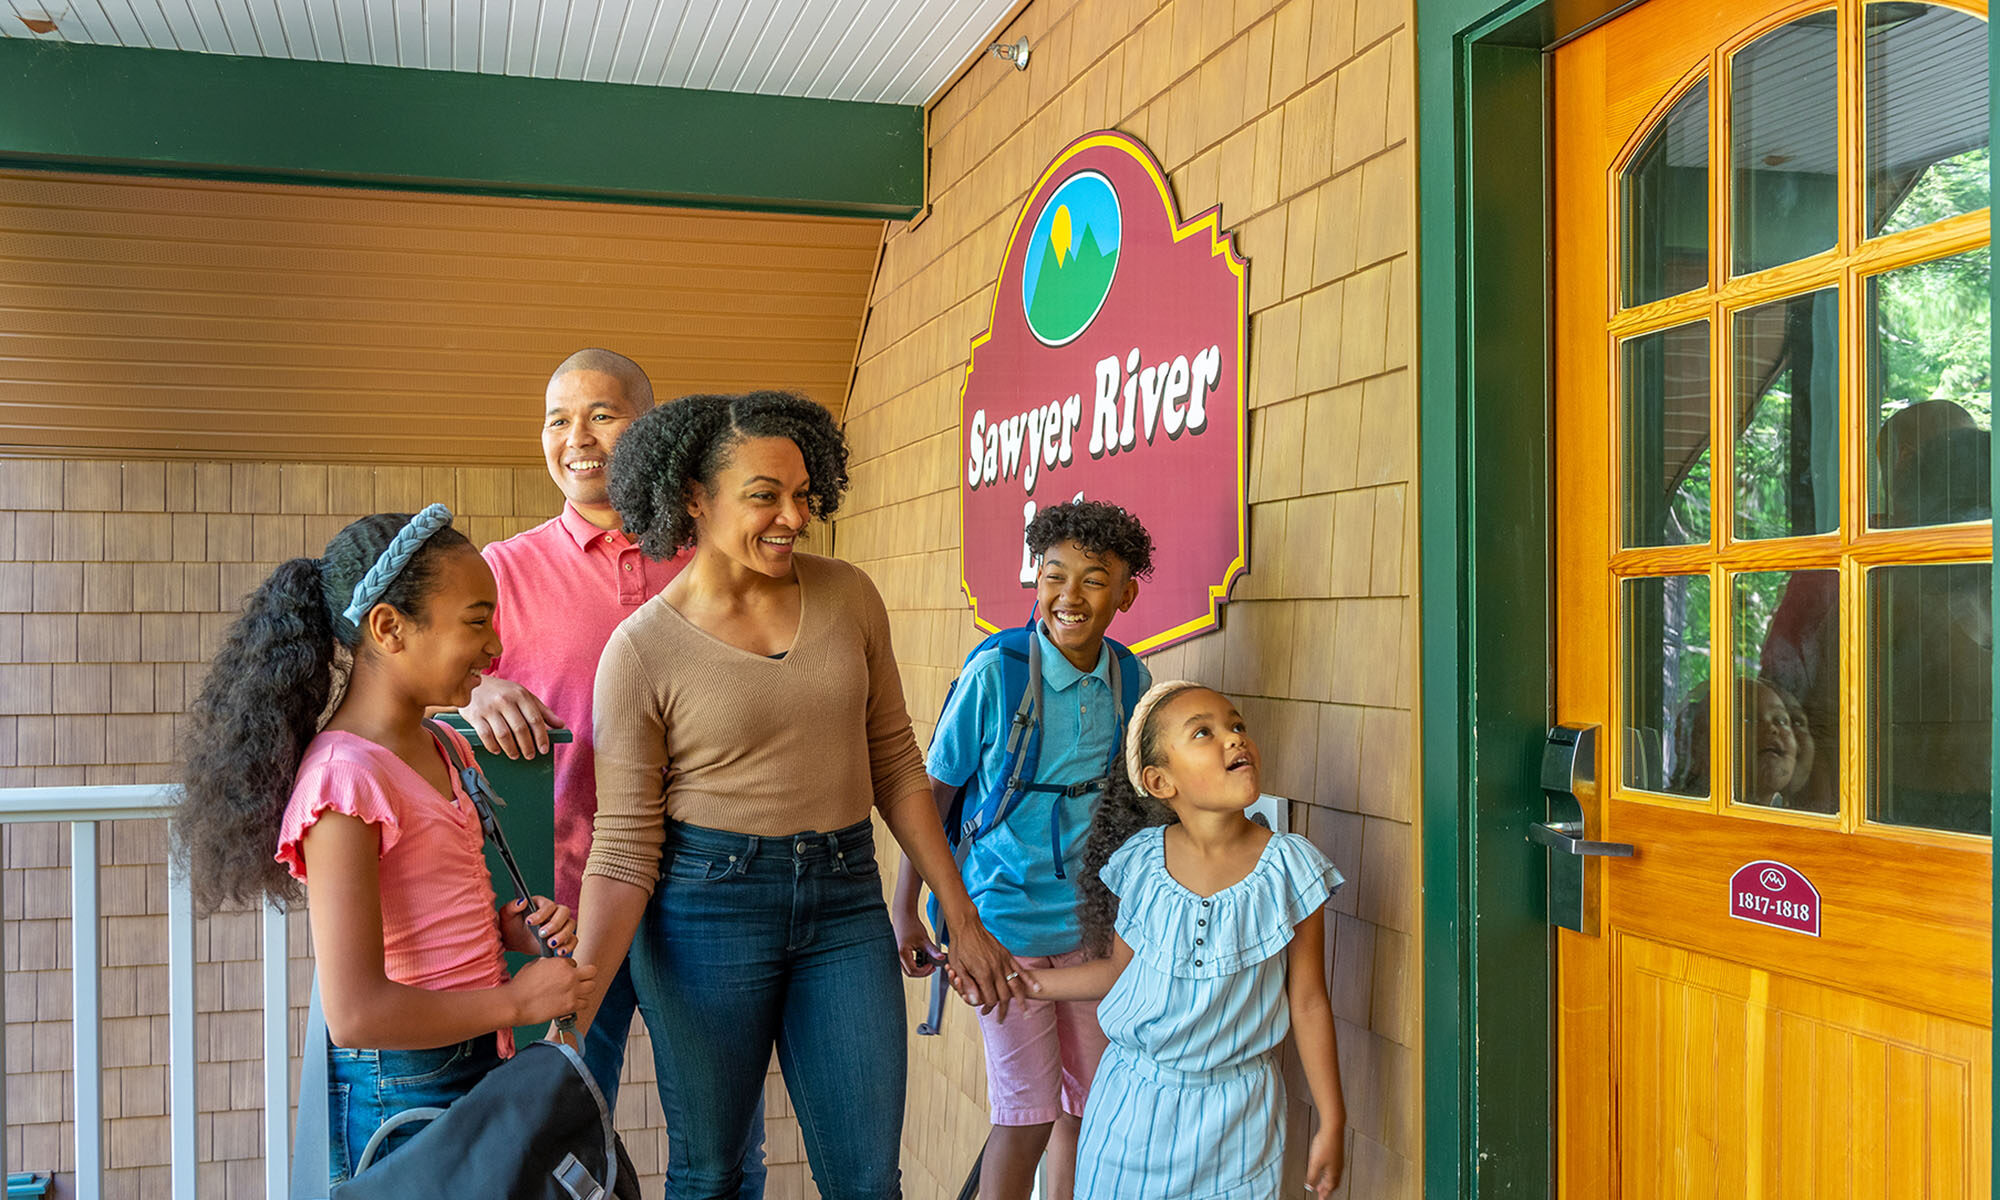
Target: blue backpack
(971,816)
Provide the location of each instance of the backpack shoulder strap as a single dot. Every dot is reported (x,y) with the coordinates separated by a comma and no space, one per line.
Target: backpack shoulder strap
(484,801)
(1019,656)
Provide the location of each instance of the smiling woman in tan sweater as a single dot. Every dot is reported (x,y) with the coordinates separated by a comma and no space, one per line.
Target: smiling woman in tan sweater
(747,719)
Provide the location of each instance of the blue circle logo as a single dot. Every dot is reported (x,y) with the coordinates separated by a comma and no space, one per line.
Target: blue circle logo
(1072,257)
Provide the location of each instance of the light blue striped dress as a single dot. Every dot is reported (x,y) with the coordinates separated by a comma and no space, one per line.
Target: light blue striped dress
(1188,1103)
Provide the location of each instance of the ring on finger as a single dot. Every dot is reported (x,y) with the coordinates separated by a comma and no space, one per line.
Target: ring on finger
(1012,976)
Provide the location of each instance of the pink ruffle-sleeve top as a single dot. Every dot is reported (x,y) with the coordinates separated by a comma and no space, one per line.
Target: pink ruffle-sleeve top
(439,927)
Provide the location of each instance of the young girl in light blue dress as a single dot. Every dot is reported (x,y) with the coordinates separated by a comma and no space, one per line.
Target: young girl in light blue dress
(1216,933)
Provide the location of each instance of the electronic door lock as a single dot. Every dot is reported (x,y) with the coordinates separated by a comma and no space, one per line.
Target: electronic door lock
(1569,763)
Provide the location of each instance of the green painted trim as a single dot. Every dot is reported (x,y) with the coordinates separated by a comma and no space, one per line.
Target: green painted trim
(163,112)
(1488,949)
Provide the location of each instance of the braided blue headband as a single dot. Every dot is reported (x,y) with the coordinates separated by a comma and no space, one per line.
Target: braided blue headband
(401,548)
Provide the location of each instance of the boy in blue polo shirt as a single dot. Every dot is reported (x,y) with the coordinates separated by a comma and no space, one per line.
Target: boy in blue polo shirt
(1040,1058)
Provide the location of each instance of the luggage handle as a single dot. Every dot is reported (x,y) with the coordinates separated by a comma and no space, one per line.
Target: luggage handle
(408,1116)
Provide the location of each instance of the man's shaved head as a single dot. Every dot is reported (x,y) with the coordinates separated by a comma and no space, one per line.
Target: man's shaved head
(630,376)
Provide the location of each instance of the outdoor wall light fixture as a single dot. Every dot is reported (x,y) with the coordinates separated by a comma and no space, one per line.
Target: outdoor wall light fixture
(40,20)
(1016,53)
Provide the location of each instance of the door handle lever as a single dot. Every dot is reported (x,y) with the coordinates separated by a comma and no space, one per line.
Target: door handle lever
(1566,837)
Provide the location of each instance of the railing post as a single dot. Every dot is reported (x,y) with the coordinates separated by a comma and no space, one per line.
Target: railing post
(182,1068)
(3,1029)
(85,1029)
(277,1056)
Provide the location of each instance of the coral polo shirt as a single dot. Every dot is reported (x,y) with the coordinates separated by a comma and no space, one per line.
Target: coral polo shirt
(564,586)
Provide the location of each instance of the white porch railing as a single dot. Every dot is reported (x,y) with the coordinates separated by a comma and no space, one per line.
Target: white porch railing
(82,808)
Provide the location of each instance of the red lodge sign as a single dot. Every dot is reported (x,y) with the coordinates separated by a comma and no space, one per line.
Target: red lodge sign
(1112,368)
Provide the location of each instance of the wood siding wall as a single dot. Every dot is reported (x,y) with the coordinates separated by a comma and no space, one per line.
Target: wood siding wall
(200,320)
(1296,117)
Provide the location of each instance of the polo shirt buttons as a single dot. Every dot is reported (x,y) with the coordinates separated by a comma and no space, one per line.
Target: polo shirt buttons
(628,566)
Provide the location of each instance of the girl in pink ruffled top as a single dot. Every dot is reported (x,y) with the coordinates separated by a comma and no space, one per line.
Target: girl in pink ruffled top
(308,762)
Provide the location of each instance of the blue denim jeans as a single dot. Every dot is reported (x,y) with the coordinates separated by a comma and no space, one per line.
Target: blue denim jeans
(367,1087)
(604,1054)
(755,942)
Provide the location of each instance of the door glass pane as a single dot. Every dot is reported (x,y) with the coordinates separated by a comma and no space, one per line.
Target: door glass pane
(1787,416)
(1927,136)
(1784,130)
(1787,751)
(1666,204)
(1930,380)
(1930,702)
(1664,378)
(1666,667)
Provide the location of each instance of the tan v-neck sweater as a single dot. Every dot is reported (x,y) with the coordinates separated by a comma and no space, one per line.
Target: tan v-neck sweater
(691,728)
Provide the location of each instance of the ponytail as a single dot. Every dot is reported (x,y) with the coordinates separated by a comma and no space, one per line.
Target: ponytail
(272,684)
(1122,812)
(260,705)
(1125,809)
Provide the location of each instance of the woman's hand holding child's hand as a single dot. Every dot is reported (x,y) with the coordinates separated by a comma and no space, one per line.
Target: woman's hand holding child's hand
(555,922)
(548,988)
(1326,1159)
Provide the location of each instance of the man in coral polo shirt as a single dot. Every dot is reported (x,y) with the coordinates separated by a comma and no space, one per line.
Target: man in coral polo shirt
(564,586)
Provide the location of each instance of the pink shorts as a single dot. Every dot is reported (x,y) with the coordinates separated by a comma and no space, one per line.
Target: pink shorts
(1040,1060)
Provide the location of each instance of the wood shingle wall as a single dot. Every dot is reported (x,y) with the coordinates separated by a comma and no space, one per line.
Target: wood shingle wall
(1294,115)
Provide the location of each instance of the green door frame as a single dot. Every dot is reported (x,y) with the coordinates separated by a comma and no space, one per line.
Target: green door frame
(1484,420)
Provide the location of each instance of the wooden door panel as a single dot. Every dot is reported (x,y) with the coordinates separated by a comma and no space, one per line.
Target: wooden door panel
(1912,929)
(1701,1055)
(1780,1087)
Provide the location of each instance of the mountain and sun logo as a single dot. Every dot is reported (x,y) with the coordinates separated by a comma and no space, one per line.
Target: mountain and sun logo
(1072,256)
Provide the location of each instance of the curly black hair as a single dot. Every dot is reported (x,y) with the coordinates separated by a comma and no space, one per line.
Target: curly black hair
(1123,811)
(663,454)
(1097,526)
(268,690)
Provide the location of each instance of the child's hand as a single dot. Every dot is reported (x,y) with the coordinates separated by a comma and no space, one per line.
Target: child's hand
(1326,1160)
(555,921)
(983,971)
(916,953)
(548,988)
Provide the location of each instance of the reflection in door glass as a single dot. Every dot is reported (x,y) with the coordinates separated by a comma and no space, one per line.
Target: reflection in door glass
(1787,366)
(1930,382)
(1927,116)
(1665,663)
(1784,133)
(1787,637)
(1666,204)
(1930,701)
(1664,378)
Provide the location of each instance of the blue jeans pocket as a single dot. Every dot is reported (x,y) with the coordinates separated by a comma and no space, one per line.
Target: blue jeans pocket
(367,1087)
(694,866)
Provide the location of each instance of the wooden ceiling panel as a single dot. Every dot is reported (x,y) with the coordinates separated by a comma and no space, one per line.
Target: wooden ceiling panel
(143,317)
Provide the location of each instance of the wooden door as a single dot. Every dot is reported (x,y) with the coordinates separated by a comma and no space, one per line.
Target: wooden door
(1774,601)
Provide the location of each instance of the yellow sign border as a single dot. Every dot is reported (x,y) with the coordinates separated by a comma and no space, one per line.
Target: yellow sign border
(1222,246)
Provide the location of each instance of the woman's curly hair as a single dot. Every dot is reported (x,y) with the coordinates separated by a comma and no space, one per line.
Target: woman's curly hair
(1097,526)
(277,675)
(663,454)
(1123,811)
